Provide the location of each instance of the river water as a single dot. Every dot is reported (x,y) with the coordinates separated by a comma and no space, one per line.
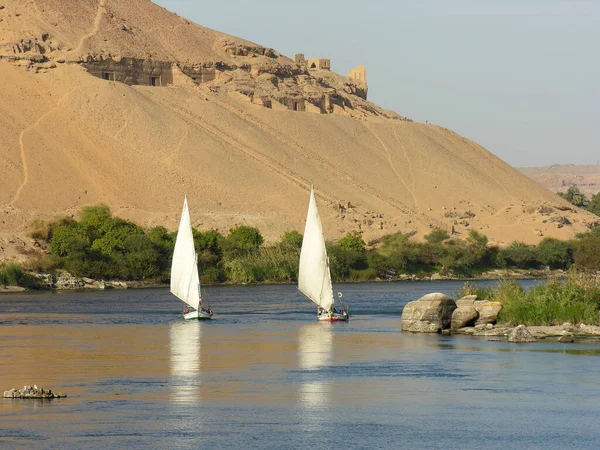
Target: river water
(266,374)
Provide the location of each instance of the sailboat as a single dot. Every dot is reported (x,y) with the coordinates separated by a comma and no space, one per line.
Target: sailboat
(314,277)
(185,282)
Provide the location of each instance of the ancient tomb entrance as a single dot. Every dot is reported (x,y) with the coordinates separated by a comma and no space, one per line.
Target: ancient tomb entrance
(110,76)
(155,81)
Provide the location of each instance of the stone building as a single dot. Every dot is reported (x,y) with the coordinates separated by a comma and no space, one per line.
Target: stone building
(318,63)
(133,71)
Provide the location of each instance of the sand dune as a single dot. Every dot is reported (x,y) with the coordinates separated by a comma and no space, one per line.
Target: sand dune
(69,139)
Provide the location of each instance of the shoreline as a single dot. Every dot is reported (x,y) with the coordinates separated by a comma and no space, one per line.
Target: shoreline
(67,282)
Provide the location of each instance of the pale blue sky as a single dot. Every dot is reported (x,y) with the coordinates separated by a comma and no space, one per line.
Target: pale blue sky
(520,77)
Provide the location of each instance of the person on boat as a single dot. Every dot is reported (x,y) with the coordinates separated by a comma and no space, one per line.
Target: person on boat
(320,311)
(185,310)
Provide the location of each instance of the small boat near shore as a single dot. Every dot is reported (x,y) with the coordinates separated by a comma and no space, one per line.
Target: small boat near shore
(185,281)
(314,276)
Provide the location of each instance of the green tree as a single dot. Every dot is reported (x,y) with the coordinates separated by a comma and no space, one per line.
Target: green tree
(70,241)
(242,240)
(210,241)
(554,253)
(95,220)
(378,263)
(586,254)
(518,255)
(353,241)
(291,240)
(594,204)
(112,238)
(575,197)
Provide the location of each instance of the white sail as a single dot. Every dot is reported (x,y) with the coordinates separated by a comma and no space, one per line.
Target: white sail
(185,283)
(314,278)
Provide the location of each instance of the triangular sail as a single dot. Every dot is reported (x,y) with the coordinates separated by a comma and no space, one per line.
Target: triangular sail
(314,278)
(185,283)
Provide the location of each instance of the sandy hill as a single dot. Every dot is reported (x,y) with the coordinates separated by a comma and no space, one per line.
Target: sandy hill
(559,177)
(128,104)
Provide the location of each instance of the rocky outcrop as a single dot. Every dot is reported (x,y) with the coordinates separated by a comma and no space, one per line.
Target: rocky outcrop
(521,335)
(487,311)
(32,392)
(432,313)
(67,281)
(463,316)
(467,300)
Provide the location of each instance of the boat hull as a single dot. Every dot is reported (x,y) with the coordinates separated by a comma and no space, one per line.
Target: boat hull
(333,317)
(198,315)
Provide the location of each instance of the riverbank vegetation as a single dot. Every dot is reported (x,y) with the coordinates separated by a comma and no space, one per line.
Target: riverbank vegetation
(574,299)
(101,246)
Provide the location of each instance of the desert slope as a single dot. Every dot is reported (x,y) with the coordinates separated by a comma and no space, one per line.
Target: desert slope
(69,139)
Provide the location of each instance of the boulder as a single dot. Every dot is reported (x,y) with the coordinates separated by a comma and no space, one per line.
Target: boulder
(566,339)
(488,312)
(463,316)
(467,300)
(520,334)
(430,314)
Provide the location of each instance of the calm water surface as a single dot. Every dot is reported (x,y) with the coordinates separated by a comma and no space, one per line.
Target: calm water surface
(266,374)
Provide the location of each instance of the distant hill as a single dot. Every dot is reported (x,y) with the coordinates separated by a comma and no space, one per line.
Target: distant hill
(559,177)
(128,104)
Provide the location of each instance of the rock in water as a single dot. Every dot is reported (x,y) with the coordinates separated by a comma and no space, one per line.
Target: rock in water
(464,316)
(521,334)
(488,311)
(32,392)
(566,339)
(432,313)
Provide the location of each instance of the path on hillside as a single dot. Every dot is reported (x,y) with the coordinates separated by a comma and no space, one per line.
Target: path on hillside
(198,121)
(99,12)
(22,146)
(410,191)
(315,157)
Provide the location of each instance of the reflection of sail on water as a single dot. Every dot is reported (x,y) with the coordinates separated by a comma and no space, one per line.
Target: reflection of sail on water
(185,361)
(316,345)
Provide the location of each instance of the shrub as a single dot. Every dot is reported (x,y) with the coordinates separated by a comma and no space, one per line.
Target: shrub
(13,275)
(482,293)
(575,300)
(242,240)
(362,275)
(437,236)
(587,254)
(268,264)
(594,205)
(291,240)
(518,255)
(554,253)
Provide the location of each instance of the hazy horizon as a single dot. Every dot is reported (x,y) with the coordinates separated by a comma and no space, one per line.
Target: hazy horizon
(519,78)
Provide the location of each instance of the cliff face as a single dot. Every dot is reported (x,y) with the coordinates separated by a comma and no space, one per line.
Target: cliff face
(127,104)
(140,43)
(560,177)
